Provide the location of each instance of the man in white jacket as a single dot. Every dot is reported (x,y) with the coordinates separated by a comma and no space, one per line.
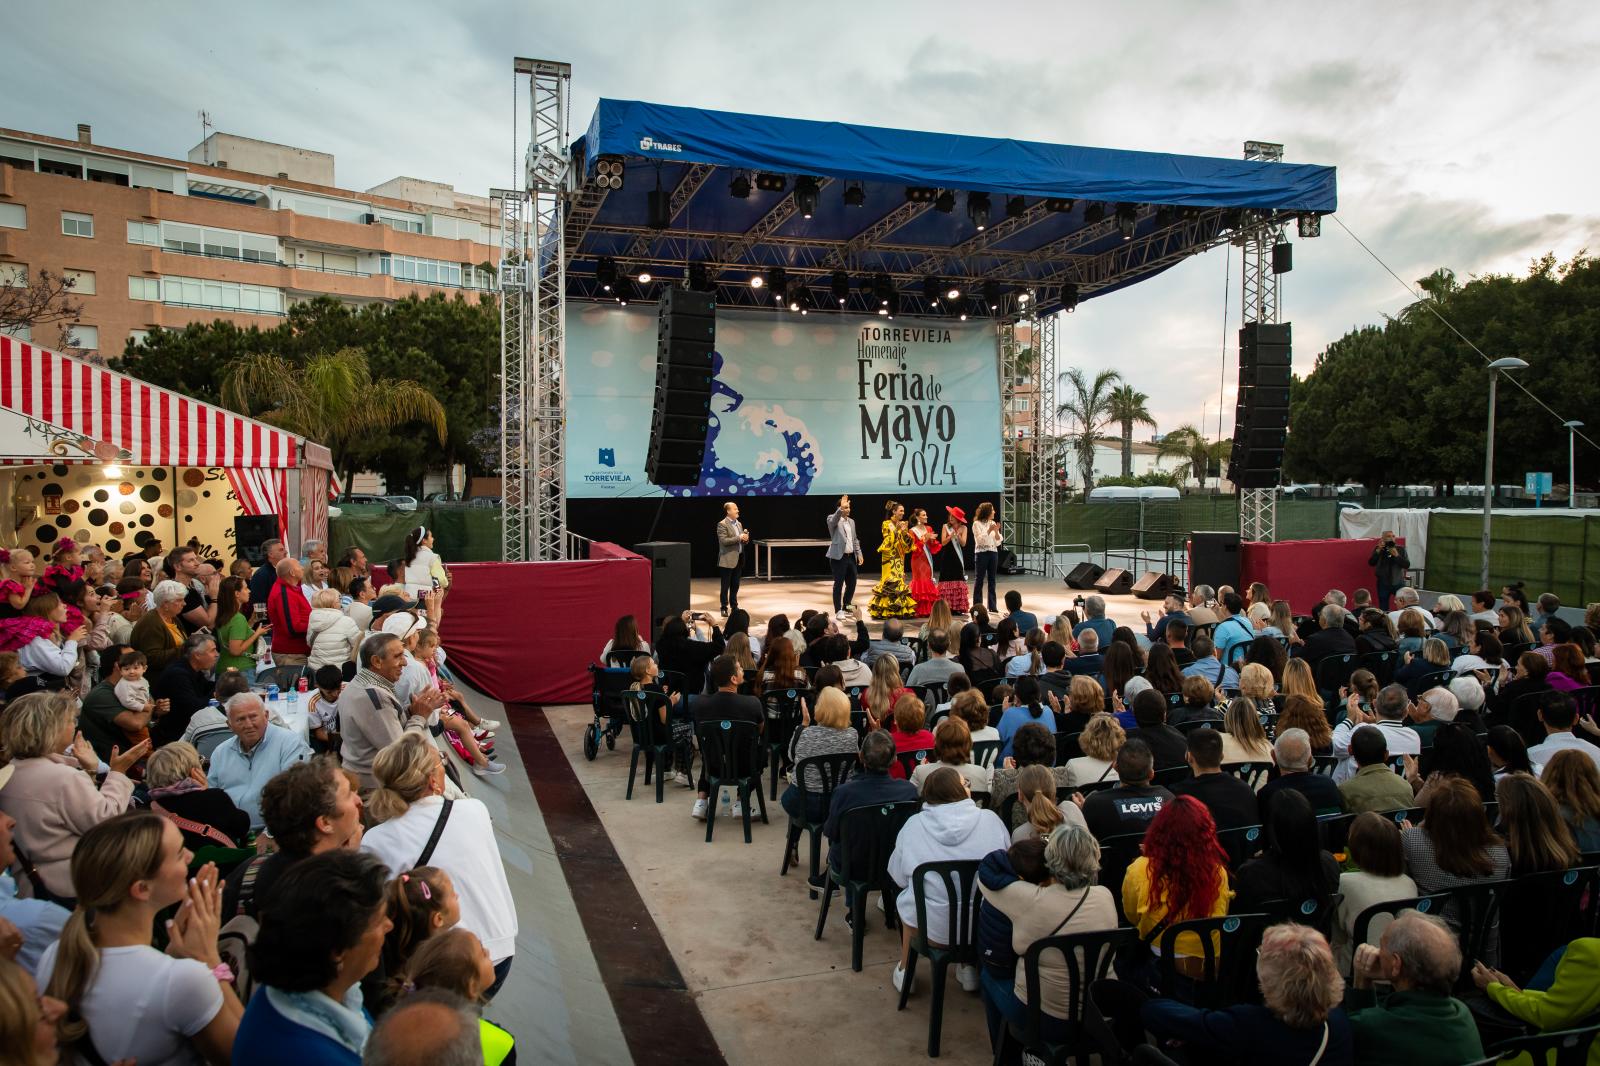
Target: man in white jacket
(949,827)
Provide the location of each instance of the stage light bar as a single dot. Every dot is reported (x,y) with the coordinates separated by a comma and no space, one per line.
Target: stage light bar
(978,209)
(841,287)
(1023,298)
(771,182)
(1059,204)
(1093,213)
(1016,207)
(778,282)
(946,202)
(700,278)
(1069,297)
(605,272)
(883,289)
(855,194)
(805,196)
(645,277)
(608,172)
(931,290)
(953,292)
(739,187)
(1127,220)
(992,296)
(1310,226)
(624,292)
(920,194)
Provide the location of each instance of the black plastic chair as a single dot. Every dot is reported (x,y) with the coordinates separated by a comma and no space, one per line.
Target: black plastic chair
(1069,746)
(1241,843)
(1088,958)
(1362,932)
(960,880)
(1539,913)
(831,771)
(622,658)
(866,840)
(1433,679)
(910,760)
(731,754)
(1334,829)
(1172,775)
(1117,853)
(1332,671)
(1227,959)
(1381,663)
(1198,723)
(985,751)
(1410,814)
(919,650)
(1317,913)
(1565,1047)
(652,739)
(782,705)
(1324,765)
(932,695)
(1254,774)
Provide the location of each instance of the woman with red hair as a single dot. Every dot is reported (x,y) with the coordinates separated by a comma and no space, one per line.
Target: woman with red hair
(1569,671)
(1181,874)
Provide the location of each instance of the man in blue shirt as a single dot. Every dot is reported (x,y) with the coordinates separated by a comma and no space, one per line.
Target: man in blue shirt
(1094,607)
(246,761)
(1026,620)
(1207,665)
(1233,630)
(868,787)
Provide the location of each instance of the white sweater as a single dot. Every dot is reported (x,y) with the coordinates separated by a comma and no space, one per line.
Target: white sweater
(467,852)
(333,636)
(940,834)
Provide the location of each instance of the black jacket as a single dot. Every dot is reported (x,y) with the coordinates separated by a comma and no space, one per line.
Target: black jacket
(207,806)
(1325,642)
(1319,789)
(1390,564)
(1167,744)
(1232,802)
(188,689)
(1374,640)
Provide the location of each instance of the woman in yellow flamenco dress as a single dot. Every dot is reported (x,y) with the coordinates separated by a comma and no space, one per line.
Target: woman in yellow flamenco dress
(890,597)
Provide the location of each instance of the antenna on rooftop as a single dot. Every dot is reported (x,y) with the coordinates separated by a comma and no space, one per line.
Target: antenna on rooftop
(205,133)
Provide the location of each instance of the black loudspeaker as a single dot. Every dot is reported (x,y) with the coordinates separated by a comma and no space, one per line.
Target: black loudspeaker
(669,577)
(1083,576)
(1261,416)
(1007,563)
(1214,559)
(1282,257)
(1154,586)
(685,334)
(250,532)
(1115,582)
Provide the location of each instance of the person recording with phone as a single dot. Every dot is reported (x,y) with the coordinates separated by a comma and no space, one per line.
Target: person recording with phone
(1389,562)
(681,650)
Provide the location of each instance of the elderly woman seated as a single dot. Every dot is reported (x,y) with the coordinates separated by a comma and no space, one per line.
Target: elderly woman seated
(952,746)
(179,792)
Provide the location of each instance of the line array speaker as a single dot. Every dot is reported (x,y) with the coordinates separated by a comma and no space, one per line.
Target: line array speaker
(1083,576)
(686,333)
(1115,582)
(1261,416)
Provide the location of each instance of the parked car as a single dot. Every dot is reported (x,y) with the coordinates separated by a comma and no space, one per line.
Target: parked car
(446,498)
(364,501)
(484,501)
(404,503)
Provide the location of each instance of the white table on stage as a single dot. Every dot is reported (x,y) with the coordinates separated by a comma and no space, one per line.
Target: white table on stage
(784,542)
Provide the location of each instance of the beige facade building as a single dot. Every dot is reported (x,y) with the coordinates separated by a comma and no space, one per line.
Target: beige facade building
(241,231)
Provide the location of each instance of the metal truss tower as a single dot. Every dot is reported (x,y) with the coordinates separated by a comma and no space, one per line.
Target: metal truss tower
(533,273)
(1030,459)
(1258,508)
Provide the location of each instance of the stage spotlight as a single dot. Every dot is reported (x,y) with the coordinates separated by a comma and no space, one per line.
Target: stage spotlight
(931,290)
(1069,297)
(1016,207)
(805,196)
(700,278)
(1093,213)
(855,194)
(1310,226)
(608,172)
(882,289)
(645,277)
(802,300)
(778,281)
(771,182)
(1023,298)
(991,296)
(757,280)
(1059,204)
(978,209)
(1127,220)
(739,187)
(624,292)
(892,307)
(919,194)
(946,201)
(953,292)
(605,272)
(841,287)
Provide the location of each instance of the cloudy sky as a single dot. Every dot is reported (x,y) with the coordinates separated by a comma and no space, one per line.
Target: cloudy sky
(1457,128)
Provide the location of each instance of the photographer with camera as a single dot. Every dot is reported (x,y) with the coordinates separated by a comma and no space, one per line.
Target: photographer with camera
(1390,562)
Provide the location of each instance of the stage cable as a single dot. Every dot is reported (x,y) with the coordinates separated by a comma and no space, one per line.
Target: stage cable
(1429,304)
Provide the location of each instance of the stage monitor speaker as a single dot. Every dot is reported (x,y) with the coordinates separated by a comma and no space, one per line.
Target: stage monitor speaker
(1083,576)
(680,415)
(669,578)
(1114,582)
(1214,559)
(1007,563)
(250,532)
(1154,586)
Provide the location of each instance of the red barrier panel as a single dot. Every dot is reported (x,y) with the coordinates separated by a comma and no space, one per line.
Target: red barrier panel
(1301,571)
(527,632)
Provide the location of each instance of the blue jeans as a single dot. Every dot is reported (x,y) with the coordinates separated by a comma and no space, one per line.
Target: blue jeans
(987,564)
(814,811)
(1001,1005)
(502,970)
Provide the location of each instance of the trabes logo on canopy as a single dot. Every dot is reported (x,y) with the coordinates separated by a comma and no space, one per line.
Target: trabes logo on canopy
(648,143)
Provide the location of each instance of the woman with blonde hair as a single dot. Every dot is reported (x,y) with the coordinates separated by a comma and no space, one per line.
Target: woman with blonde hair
(1085,699)
(125,871)
(1298,681)
(738,646)
(886,687)
(940,618)
(1535,833)
(1100,743)
(408,806)
(1300,1019)
(1245,739)
(1305,712)
(1036,800)
(28,1019)
(1255,683)
(825,731)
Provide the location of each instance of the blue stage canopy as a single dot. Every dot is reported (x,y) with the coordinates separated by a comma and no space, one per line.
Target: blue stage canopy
(1064,222)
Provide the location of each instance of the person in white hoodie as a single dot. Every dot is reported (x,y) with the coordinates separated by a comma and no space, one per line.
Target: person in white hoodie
(332,634)
(949,827)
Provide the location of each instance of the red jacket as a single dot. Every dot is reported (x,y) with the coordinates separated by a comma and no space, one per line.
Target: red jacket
(289,613)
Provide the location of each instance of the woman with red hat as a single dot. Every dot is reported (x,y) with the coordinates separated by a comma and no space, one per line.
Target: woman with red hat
(952,572)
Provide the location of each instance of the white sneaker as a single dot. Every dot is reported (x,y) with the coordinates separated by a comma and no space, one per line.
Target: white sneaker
(488,723)
(880,903)
(490,769)
(900,979)
(737,810)
(481,735)
(683,779)
(699,809)
(967,976)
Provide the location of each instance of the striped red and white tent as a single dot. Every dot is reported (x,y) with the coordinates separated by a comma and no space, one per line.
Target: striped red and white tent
(56,408)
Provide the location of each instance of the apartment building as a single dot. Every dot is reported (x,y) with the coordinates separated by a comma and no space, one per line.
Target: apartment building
(240,230)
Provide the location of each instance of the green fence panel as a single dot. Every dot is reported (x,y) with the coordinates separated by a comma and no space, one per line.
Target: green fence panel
(1549,553)
(460,534)
(1087,523)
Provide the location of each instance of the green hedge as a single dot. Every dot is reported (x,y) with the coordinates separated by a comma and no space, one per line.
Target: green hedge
(460,534)
(1549,552)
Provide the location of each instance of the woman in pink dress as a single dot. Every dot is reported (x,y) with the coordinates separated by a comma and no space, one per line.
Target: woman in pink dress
(924,544)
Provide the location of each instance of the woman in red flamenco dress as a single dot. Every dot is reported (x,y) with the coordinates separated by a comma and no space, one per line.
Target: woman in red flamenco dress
(925,543)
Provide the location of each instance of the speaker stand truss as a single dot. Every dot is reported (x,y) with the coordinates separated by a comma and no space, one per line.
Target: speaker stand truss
(1258,508)
(1029,458)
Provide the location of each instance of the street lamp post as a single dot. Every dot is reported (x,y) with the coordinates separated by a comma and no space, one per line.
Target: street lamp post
(1572,461)
(1495,369)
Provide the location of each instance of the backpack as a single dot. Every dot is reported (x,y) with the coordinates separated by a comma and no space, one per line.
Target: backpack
(233,945)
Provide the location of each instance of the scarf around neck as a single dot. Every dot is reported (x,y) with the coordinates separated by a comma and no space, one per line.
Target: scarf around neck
(345,1023)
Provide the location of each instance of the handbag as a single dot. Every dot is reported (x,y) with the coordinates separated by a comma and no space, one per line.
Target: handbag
(40,892)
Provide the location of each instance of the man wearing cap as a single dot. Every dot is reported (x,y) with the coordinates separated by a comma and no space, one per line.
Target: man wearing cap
(371,714)
(290,613)
(844,555)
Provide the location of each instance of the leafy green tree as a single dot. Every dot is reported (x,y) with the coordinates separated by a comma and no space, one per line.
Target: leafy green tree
(1128,407)
(1196,456)
(1088,407)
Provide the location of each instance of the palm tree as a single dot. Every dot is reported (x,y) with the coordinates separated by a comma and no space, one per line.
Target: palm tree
(1189,445)
(1088,407)
(1128,407)
(332,399)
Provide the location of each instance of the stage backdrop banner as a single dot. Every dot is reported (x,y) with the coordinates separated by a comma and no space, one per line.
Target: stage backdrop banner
(812,405)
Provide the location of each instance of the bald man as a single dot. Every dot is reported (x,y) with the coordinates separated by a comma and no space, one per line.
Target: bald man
(428,1028)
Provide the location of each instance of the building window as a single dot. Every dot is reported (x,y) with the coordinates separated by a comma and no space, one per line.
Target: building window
(13,216)
(218,243)
(404,225)
(138,337)
(144,288)
(85,337)
(222,295)
(13,275)
(143,232)
(1019,405)
(82,281)
(22,333)
(425,271)
(76,225)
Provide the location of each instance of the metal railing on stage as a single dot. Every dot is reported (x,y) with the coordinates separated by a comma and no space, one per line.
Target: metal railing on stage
(1148,546)
(1058,550)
